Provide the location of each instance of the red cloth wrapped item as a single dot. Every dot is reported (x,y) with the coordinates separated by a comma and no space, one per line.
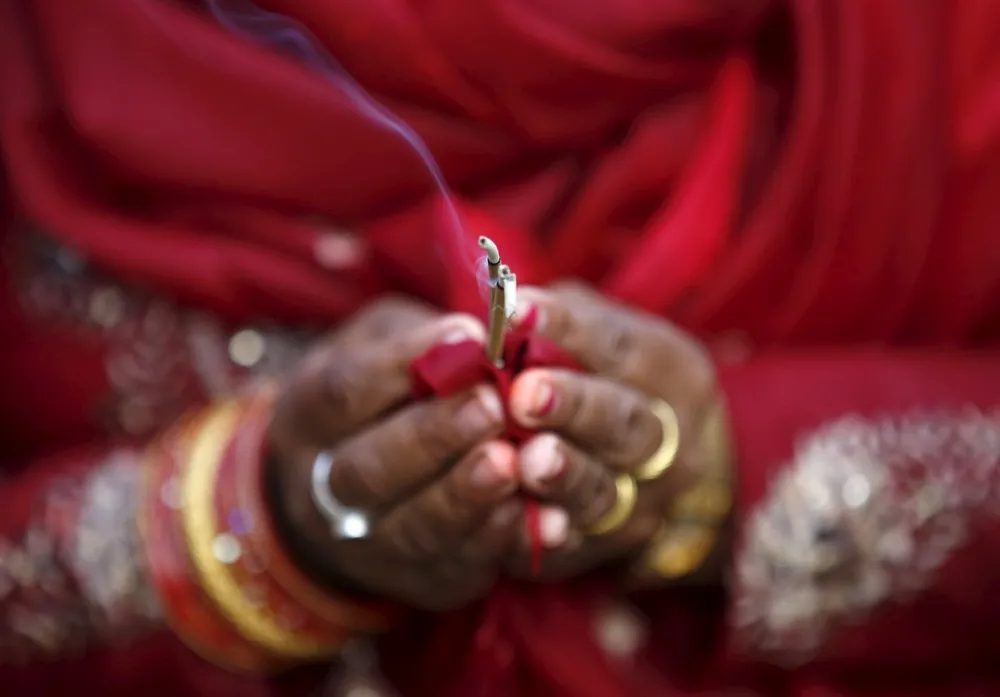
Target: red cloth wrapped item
(450,369)
(446,370)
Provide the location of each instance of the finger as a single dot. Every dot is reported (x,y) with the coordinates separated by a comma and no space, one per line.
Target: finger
(385,318)
(584,325)
(468,574)
(619,342)
(491,541)
(384,464)
(565,477)
(608,419)
(436,521)
(344,386)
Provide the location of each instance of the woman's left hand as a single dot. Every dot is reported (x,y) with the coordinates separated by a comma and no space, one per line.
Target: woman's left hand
(594,426)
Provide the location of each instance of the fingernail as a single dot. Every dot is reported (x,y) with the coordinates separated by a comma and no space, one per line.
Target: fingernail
(493,469)
(532,396)
(459,328)
(541,461)
(529,314)
(456,336)
(482,413)
(526,315)
(553,526)
(541,398)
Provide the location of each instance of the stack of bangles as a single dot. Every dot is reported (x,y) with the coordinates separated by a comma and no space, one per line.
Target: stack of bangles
(229,589)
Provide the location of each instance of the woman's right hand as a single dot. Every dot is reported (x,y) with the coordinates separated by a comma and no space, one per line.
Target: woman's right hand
(435,481)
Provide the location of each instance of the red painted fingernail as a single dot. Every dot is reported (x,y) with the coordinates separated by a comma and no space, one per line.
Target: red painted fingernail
(543,399)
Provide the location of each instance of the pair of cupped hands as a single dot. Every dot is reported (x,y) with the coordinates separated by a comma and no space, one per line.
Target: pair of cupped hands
(443,487)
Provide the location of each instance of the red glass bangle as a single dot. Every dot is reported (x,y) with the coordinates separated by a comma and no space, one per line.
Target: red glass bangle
(228,587)
(255,517)
(250,565)
(189,611)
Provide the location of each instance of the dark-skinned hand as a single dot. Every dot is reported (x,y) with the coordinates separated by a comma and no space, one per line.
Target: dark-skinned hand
(596,424)
(437,483)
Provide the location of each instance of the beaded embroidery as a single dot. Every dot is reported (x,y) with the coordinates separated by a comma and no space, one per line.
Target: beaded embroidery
(865,514)
(159,358)
(76,576)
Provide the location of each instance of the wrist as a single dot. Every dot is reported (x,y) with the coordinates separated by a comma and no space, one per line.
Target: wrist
(238,598)
(299,528)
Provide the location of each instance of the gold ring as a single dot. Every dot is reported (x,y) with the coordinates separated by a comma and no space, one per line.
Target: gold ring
(670,443)
(626,492)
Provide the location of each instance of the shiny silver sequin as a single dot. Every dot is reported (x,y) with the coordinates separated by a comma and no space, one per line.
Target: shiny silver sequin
(247,347)
(620,630)
(107,307)
(856,491)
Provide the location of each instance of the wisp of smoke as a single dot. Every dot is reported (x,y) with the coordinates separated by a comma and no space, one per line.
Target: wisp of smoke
(288,36)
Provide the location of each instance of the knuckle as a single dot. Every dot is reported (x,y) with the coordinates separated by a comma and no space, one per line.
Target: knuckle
(453,503)
(637,431)
(634,416)
(434,432)
(575,291)
(337,387)
(418,539)
(623,352)
(394,305)
(701,373)
(356,480)
(568,286)
(384,319)
(572,400)
(448,328)
(597,497)
(499,533)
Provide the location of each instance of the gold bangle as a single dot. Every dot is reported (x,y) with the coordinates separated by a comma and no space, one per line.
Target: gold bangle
(670,443)
(626,493)
(198,522)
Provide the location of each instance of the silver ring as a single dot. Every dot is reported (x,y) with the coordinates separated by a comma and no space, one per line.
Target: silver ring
(345,523)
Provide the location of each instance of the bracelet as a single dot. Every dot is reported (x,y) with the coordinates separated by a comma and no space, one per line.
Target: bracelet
(189,611)
(211,549)
(246,499)
(231,592)
(690,532)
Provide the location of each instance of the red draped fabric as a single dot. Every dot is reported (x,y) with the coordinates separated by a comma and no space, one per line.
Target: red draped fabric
(812,175)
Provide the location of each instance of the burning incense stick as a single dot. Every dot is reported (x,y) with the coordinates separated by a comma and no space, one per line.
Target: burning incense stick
(503,300)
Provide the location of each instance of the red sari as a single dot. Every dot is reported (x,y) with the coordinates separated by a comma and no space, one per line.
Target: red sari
(808,186)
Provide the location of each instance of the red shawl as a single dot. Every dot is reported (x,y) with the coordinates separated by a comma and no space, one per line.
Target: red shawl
(794,155)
